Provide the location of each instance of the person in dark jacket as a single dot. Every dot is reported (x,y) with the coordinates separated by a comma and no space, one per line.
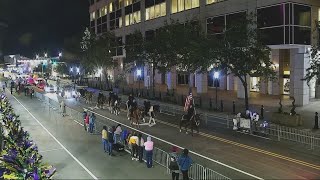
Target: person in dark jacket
(110,140)
(174,166)
(185,162)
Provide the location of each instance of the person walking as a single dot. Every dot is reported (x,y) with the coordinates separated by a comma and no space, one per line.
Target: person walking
(149,151)
(87,122)
(84,115)
(110,141)
(105,138)
(174,166)
(133,140)
(92,120)
(117,133)
(63,108)
(3,87)
(140,147)
(185,162)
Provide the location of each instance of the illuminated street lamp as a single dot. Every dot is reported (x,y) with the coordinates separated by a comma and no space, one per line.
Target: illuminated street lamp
(216,75)
(37,56)
(139,73)
(45,55)
(100,74)
(78,70)
(60,54)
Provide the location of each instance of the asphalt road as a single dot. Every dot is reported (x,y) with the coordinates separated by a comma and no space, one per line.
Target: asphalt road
(255,156)
(76,154)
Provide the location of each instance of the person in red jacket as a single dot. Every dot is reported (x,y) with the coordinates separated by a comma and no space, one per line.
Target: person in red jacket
(87,121)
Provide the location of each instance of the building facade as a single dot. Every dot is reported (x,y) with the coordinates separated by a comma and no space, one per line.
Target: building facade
(287,25)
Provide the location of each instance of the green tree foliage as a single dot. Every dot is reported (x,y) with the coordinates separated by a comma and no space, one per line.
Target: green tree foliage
(97,53)
(174,44)
(314,70)
(62,68)
(242,53)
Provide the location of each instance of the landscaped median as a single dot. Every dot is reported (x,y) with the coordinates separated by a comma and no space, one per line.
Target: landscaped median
(19,157)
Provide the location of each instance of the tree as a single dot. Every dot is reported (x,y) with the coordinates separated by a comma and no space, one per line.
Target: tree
(242,53)
(62,68)
(174,44)
(313,72)
(97,51)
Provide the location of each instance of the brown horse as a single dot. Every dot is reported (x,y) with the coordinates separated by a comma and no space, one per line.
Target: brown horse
(135,117)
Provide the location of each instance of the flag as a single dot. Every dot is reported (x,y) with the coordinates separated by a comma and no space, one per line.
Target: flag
(188,102)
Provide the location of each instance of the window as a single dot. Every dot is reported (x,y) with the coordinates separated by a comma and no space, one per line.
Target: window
(302,35)
(154,10)
(183,79)
(272,36)
(287,23)
(115,14)
(117,49)
(213,1)
(150,35)
(132,13)
(215,25)
(181,5)
(92,16)
(302,15)
(103,11)
(270,16)
(129,2)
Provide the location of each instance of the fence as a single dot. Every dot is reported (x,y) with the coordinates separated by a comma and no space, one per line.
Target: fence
(160,156)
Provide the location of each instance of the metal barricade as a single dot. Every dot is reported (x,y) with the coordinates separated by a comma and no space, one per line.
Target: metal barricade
(160,157)
(197,171)
(211,174)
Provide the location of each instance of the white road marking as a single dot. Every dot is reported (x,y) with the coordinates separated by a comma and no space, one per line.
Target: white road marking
(49,150)
(63,147)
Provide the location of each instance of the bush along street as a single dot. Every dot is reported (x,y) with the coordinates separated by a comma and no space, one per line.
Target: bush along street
(19,157)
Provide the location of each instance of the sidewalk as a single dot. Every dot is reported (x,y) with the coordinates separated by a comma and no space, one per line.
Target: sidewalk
(263,158)
(86,148)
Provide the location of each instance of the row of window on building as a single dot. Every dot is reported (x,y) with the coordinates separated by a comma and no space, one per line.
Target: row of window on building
(286,23)
(154,9)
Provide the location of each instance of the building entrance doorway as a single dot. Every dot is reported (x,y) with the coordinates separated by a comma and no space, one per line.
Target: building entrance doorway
(255,84)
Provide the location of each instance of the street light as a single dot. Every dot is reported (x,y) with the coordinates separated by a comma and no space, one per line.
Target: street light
(139,78)
(37,56)
(45,55)
(216,75)
(78,70)
(60,54)
(100,74)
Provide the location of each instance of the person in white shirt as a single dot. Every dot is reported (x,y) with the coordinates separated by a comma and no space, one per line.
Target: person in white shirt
(117,133)
(149,150)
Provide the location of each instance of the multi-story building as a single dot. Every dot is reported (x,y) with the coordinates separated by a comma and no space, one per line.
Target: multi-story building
(288,25)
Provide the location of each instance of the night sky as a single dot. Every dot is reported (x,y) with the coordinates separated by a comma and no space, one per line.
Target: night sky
(36,26)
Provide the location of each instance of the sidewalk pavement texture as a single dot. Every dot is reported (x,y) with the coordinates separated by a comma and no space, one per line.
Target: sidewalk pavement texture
(257,156)
(87,149)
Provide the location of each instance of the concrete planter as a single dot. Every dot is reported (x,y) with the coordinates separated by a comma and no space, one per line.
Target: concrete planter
(286,119)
